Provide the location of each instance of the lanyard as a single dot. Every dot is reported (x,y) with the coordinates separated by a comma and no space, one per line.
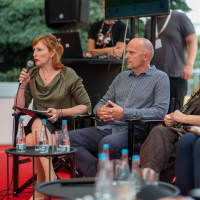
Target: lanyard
(164,26)
(99,40)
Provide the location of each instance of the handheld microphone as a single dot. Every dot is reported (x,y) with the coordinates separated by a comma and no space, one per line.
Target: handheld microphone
(29,65)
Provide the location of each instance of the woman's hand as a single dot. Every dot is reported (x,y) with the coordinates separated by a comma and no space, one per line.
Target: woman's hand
(55,114)
(168,120)
(24,77)
(178,116)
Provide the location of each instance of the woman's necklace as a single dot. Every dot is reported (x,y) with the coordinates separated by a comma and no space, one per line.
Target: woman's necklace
(45,79)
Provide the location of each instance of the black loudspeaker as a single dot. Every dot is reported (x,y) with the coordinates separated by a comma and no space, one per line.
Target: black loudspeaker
(67,14)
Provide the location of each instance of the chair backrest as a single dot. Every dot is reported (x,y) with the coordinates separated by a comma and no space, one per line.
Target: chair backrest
(171,105)
(94,100)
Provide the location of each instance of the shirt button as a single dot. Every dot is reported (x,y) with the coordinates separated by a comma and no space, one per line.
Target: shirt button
(131,88)
(127,99)
(137,78)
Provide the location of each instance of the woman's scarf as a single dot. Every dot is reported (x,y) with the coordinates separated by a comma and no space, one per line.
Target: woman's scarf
(195,94)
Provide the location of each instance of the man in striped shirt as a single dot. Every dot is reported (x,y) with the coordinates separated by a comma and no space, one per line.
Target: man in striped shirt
(140,93)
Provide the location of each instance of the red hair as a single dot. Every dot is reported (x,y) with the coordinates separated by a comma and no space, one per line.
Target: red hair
(52,44)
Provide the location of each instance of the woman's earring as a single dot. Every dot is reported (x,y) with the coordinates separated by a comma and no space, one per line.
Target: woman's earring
(50,59)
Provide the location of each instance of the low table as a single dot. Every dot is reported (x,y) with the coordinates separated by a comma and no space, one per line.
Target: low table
(30,152)
(77,188)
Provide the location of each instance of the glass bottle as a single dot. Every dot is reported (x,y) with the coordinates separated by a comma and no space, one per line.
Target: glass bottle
(125,170)
(65,141)
(43,140)
(135,177)
(21,138)
(103,182)
(106,150)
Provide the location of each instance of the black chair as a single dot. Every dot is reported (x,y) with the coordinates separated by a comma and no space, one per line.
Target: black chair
(59,163)
(132,139)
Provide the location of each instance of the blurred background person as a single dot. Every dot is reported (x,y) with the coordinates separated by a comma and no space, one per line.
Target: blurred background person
(176,49)
(107,36)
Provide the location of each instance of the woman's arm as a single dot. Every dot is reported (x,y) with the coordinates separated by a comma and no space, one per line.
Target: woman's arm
(58,113)
(185,119)
(24,77)
(80,96)
(79,109)
(20,98)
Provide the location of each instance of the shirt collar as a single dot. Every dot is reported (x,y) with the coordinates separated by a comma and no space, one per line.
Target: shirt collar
(149,72)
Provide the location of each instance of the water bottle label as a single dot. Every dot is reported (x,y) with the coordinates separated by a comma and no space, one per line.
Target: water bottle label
(21,147)
(44,148)
(64,148)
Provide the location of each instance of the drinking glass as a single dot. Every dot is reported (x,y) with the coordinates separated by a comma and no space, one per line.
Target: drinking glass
(125,191)
(120,172)
(52,142)
(151,178)
(37,135)
(57,141)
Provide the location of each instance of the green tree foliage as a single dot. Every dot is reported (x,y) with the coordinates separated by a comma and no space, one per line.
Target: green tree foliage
(10,75)
(20,22)
(179,5)
(23,20)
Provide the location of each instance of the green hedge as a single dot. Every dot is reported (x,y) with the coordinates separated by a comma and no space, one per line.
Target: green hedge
(10,75)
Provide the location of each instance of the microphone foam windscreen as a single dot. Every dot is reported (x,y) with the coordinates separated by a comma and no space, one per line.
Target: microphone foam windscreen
(30,63)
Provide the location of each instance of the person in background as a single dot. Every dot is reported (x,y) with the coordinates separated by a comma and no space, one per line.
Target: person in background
(107,36)
(53,87)
(176,49)
(140,93)
(158,153)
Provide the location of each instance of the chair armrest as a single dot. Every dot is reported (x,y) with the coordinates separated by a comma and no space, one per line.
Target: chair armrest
(18,114)
(85,116)
(153,121)
(133,120)
(88,116)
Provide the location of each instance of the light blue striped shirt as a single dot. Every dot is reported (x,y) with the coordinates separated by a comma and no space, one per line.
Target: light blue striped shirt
(145,96)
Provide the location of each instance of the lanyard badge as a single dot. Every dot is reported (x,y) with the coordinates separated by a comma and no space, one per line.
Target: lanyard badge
(104,39)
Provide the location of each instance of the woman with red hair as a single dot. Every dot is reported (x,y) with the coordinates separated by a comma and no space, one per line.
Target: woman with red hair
(53,87)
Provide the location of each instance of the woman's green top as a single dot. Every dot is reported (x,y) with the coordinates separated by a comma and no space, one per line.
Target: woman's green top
(64,91)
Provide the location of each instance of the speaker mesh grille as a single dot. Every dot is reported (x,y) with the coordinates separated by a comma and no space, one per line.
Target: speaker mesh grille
(63,11)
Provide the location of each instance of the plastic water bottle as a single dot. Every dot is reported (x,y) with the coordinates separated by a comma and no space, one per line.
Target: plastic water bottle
(103,182)
(43,140)
(65,141)
(125,170)
(21,138)
(106,151)
(135,177)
